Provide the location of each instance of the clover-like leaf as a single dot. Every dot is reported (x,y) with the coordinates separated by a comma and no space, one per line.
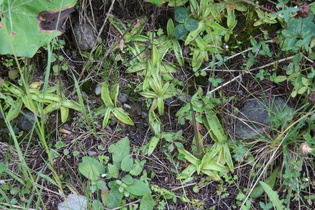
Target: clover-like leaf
(191,24)
(180,31)
(181,14)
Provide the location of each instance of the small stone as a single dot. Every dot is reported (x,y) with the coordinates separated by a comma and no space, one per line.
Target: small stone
(98,89)
(123,97)
(127,106)
(26,123)
(254,116)
(168,101)
(84,36)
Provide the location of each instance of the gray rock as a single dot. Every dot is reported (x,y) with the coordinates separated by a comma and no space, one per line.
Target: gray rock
(254,117)
(26,123)
(84,36)
(123,97)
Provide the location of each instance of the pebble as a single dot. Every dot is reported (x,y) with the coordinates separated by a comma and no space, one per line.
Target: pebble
(98,89)
(123,97)
(252,120)
(26,123)
(84,36)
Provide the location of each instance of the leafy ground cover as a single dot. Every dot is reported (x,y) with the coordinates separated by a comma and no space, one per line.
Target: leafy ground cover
(143,115)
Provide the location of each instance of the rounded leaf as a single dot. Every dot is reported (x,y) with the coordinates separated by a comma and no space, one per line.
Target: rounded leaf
(191,24)
(181,14)
(180,31)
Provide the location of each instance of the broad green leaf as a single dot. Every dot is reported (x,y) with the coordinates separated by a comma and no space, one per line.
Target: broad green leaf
(100,167)
(302,90)
(113,170)
(273,196)
(20,32)
(137,167)
(114,197)
(138,188)
(147,202)
(181,14)
(89,170)
(191,24)
(128,180)
(105,195)
(127,163)
(119,150)
(180,31)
